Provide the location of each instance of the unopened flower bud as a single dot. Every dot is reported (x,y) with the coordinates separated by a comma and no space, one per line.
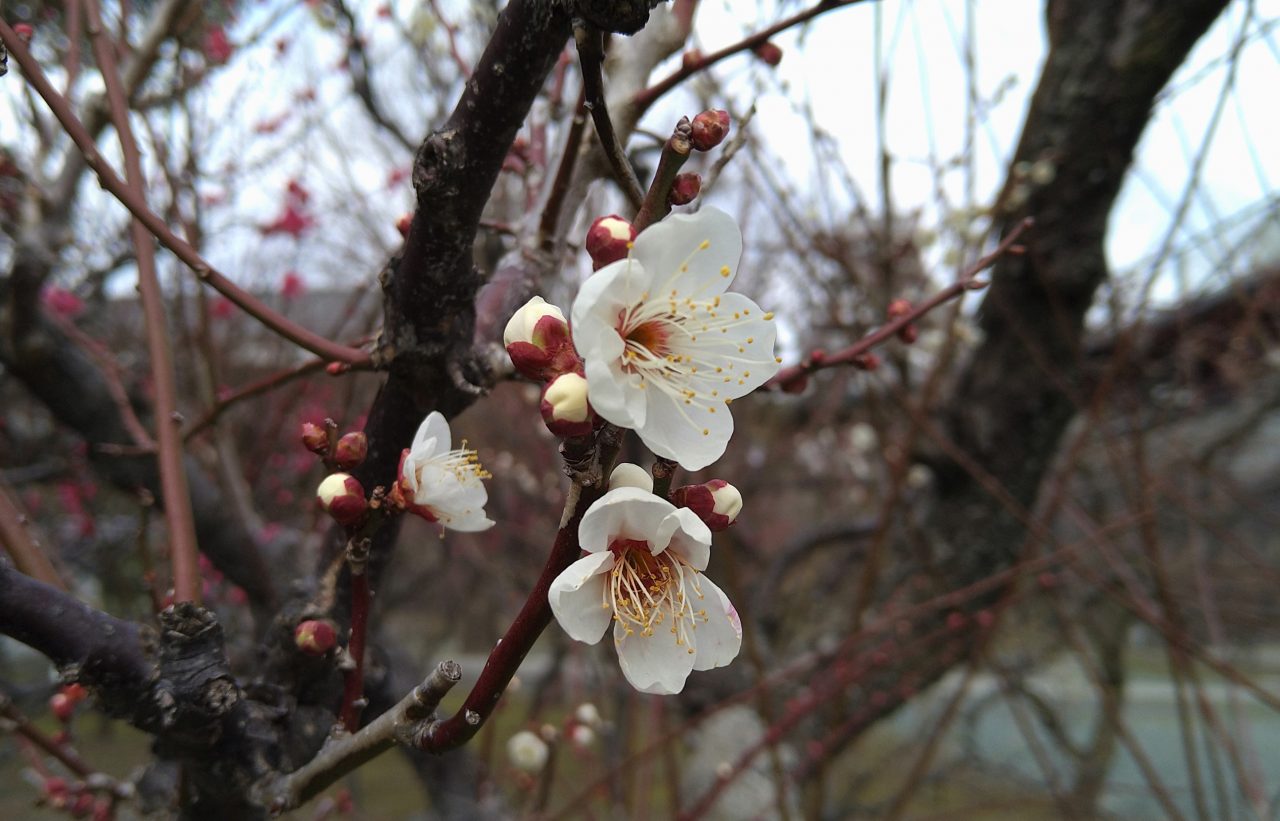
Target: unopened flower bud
(24,31)
(684,189)
(867,362)
(528,752)
(538,342)
(82,806)
(717,503)
(769,53)
(691,58)
(627,474)
(608,240)
(586,712)
(315,637)
(342,497)
(564,406)
(897,308)
(63,707)
(315,438)
(709,129)
(351,450)
(402,224)
(75,692)
(582,736)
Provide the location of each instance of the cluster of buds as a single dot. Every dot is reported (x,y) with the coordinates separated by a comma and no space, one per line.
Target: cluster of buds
(538,341)
(63,703)
(717,503)
(899,308)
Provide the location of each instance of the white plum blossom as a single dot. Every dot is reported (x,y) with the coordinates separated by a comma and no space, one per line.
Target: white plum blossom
(440,483)
(527,751)
(643,574)
(666,347)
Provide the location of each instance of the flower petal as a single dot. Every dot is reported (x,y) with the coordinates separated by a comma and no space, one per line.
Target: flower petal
(653,664)
(720,636)
(605,294)
(577,595)
(687,536)
(623,513)
(673,254)
(691,434)
(434,427)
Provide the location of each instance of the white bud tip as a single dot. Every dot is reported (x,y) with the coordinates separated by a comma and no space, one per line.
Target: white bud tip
(520,326)
(567,395)
(630,475)
(333,486)
(728,501)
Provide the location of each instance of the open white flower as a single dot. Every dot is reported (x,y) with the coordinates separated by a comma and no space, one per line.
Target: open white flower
(643,573)
(666,348)
(442,484)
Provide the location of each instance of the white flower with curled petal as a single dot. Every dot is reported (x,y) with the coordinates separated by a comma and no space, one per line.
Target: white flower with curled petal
(442,484)
(666,348)
(643,573)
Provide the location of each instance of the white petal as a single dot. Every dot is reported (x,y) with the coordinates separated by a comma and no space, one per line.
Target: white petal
(720,636)
(577,594)
(653,664)
(690,434)
(748,344)
(434,427)
(470,521)
(675,243)
(688,537)
(611,290)
(623,513)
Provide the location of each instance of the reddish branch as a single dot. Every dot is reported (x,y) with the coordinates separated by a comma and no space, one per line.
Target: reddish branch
(590,42)
(156,225)
(173,475)
(255,388)
(852,355)
(22,546)
(353,683)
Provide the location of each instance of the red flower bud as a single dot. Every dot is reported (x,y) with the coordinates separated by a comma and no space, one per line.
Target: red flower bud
(315,438)
(769,53)
(315,637)
(63,707)
(684,189)
(608,240)
(908,333)
(82,806)
(24,31)
(402,224)
(867,362)
(75,692)
(717,503)
(342,497)
(897,308)
(709,129)
(351,450)
(538,342)
(691,58)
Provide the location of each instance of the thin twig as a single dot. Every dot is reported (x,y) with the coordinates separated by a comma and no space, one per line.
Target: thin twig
(255,388)
(156,225)
(342,754)
(675,152)
(23,547)
(353,686)
(590,41)
(854,353)
(173,474)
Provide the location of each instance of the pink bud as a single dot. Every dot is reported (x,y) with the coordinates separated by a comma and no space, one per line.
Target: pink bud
(684,189)
(24,31)
(709,129)
(351,450)
(315,637)
(717,503)
(867,362)
(608,240)
(75,692)
(538,342)
(691,58)
(342,497)
(897,308)
(62,706)
(955,620)
(768,53)
(315,438)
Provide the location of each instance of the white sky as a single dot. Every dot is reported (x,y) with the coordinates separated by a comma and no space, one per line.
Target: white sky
(828,69)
